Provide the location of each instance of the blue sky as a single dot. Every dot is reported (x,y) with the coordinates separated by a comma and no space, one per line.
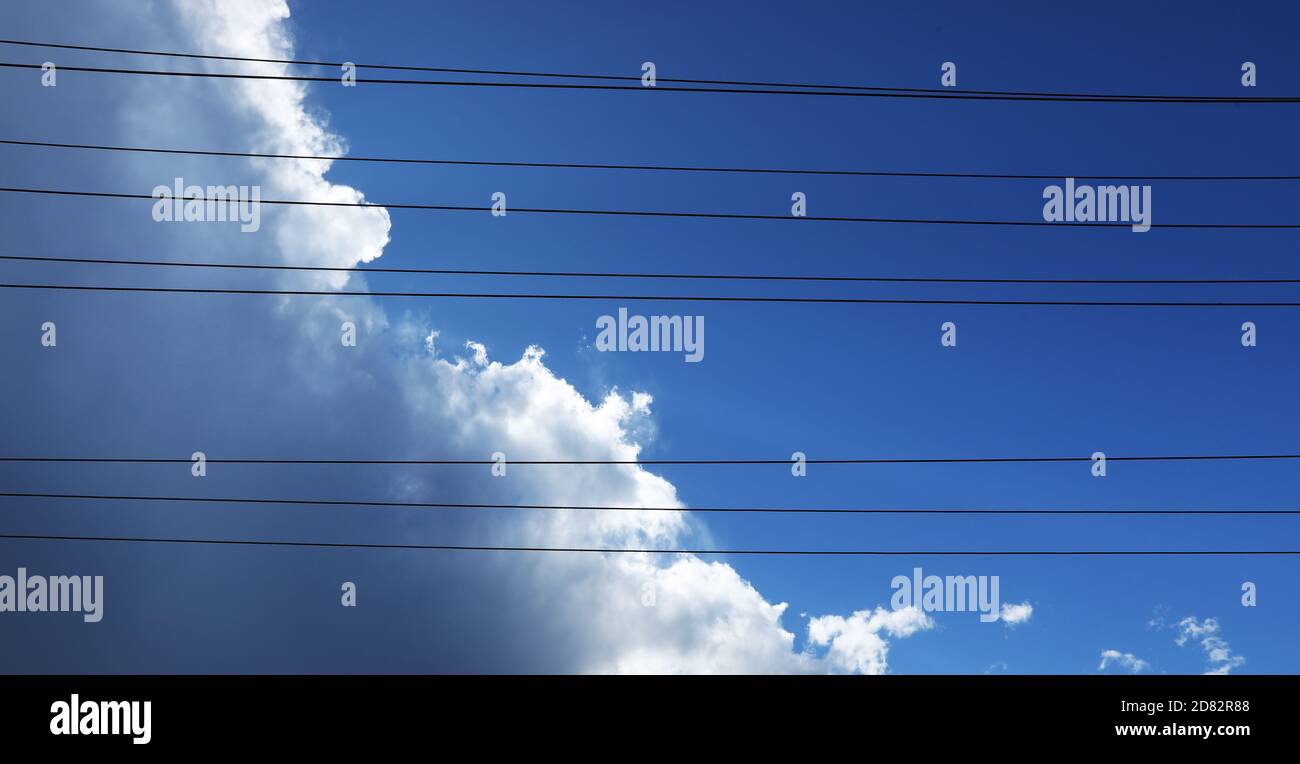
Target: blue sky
(154,374)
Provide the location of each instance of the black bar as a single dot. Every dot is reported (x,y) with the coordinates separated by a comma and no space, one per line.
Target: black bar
(995,715)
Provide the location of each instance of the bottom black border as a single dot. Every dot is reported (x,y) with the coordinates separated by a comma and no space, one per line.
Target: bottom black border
(666,713)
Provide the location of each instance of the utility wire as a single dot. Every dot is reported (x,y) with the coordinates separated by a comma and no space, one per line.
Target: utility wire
(582,274)
(603,508)
(647,167)
(932,95)
(643,462)
(698,215)
(569,75)
(655,298)
(600,550)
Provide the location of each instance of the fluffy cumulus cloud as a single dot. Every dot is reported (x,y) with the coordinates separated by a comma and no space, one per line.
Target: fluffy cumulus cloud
(857,643)
(1123,661)
(280,123)
(1015,614)
(689,616)
(584,612)
(1207,633)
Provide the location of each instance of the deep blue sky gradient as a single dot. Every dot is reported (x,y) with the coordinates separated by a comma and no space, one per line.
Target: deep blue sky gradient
(830,380)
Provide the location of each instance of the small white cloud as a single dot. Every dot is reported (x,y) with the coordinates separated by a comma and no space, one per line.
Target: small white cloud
(1014,615)
(480,352)
(1220,656)
(1126,661)
(1190,628)
(641,402)
(854,643)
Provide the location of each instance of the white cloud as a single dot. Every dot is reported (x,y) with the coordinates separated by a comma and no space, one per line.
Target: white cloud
(855,644)
(638,614)
(1126,661)
(583,612)
(1190,628)
(280,123)
(689,617)
(1014,615)
(1217,652)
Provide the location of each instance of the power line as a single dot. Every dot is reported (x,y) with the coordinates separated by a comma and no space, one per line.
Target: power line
(601,550)
(584,274)
(643,462)
(698,215)
(935,95)
(655,298)
(607,508)
(570,75)
(646,167)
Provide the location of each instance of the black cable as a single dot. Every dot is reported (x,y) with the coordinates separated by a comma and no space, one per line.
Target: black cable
(935,95)
(602,508)
(700,215)
(674,276)
(656,298)
(643,462)
(598,550)
(651,167)
(568,75)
